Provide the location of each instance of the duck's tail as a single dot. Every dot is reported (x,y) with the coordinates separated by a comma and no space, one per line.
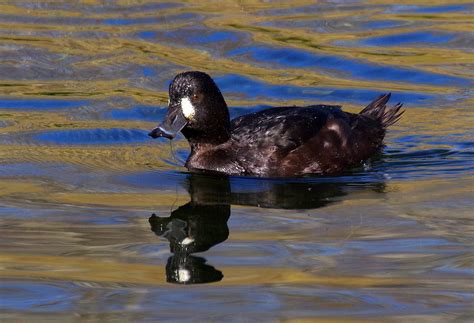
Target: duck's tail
(379,111)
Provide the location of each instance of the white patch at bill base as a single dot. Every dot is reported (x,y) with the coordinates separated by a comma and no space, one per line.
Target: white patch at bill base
(187,241)
(183,275)
(187,108)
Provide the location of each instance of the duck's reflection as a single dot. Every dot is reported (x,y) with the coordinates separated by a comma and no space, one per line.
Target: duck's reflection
(187,269)
(202,223)
(195,227)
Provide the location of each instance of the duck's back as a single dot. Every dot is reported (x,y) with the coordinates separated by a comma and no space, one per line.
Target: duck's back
(282,126)
(303,140)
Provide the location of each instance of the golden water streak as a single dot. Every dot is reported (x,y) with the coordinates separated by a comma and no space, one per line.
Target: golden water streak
(79,89)
(121,199)
(126,159)
(198,59)
(35,121)
(401,192)
(87,269)
(428,3)
(321,43)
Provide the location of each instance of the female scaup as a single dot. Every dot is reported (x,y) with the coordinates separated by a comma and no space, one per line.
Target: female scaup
(283,141)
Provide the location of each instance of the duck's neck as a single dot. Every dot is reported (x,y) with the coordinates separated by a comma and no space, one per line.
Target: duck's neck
(212,136)
(205,149)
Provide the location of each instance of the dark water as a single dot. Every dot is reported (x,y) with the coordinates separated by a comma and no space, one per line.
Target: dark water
(99,222)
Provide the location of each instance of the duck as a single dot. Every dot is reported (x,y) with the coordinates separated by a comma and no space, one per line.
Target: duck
(286,141)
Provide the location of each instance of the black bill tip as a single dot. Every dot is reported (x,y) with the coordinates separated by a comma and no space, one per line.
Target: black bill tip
(159,132)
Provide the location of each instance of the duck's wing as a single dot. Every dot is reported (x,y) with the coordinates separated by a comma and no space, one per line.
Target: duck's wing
(278,138)
(283,127)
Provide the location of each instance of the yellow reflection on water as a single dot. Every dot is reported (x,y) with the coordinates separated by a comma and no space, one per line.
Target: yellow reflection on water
(83,269)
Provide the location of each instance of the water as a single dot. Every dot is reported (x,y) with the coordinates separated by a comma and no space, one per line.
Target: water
(99,222)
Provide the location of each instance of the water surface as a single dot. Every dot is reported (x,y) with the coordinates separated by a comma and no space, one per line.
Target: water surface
(99,222)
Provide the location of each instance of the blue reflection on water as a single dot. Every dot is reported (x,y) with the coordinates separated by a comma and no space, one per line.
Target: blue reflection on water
(36,297)
(147,34)
(441,9)
(422,9)
(290,57)
(148,71)
(406,245)
(424,37)
(93,136)
(215,37)
(381,24)
(40,104)
(193,36)
(257,89)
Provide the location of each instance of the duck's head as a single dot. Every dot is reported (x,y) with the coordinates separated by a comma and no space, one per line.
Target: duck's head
(197,108)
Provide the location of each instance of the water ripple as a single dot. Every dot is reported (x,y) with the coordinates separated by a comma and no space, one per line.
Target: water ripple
(93,136)
(81,82)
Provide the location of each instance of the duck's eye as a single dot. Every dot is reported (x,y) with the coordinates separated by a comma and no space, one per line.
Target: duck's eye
(195,96)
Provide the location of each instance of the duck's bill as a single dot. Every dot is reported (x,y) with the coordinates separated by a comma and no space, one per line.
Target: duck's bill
(174,123)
